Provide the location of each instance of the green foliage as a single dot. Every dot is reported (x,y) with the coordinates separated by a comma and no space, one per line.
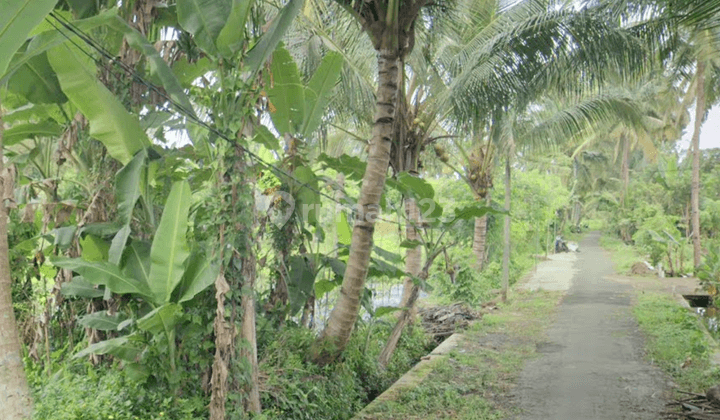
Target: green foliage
(297,108)
(298,389)
(675,339)
(655,232)
(470,286)
(164,277)
(623,255)
(267,43)
(232,35)
(20,132)
(110,122)
(709,272)
(81,392)
(17,20)
(458,383)
(204,19)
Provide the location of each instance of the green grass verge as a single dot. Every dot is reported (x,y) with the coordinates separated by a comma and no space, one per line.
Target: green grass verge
(471,382)
(676,342)
(623,255)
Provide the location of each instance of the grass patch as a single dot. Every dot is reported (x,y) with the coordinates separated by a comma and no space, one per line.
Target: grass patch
(623,256)
(676,342)
(472,381)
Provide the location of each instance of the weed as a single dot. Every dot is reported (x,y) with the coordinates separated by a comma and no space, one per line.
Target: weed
(676,342)
(623,255)
(470,382)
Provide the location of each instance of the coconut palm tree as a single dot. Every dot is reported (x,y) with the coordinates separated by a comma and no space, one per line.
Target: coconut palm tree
(703,82)
(509,61)
(390,25)
(696,63)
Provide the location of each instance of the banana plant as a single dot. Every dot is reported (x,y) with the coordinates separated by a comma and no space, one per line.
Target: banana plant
(163,274)
(296,110)
(51,68)
(16,21)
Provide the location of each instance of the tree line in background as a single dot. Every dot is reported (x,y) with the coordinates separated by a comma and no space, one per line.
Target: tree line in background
(207,198)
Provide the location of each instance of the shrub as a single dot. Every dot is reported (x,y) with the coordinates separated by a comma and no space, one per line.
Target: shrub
(295,388)
(72,394)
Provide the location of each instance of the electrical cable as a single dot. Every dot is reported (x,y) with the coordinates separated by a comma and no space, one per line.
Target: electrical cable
(179,108)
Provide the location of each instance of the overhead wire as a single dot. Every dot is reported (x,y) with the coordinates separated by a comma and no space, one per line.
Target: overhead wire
(179,108)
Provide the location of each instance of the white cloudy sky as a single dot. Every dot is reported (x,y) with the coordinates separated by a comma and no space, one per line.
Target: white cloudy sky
(710,133)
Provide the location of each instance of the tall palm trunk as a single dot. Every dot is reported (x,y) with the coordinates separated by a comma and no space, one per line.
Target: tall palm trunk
(481,181)
(15,401)
(343,316)
(480,239)
(506,234)
(695,187)
(625,167)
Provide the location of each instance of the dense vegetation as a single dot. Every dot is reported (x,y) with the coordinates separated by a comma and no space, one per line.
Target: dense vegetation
(230,209)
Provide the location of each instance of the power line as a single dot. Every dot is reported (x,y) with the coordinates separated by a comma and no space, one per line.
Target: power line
(179,108)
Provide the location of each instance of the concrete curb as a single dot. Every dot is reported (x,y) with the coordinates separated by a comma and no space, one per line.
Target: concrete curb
(416,374)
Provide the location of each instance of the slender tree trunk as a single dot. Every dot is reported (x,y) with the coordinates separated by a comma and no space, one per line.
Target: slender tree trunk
(506,234)
(695,188)
(413,256)
(413,262)
(243,255)
(224,334)
(308,316)
(402,321)
(480,239)
(248,346)
(15,400)
(625,166)
(577,214)
(406,314)
(248,349)
(334,338)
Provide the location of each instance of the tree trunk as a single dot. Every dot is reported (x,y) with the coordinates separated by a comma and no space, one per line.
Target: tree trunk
(406,315)
(308,316)
(248,345)
(577,214)
(403,320)
(224,334)
(15,400)
(239,240)
(413,256)
(479,242)
(248,348)
(506,234)
(334,337)
(695,188)
(625,166)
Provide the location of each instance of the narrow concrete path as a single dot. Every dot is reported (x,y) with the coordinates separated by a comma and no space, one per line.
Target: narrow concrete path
(592,364)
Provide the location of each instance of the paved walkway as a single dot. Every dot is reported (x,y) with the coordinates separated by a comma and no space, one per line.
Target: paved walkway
(592,364)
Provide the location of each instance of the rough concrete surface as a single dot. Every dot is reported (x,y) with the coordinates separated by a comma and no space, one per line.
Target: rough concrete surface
(591,366)
(554,274)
